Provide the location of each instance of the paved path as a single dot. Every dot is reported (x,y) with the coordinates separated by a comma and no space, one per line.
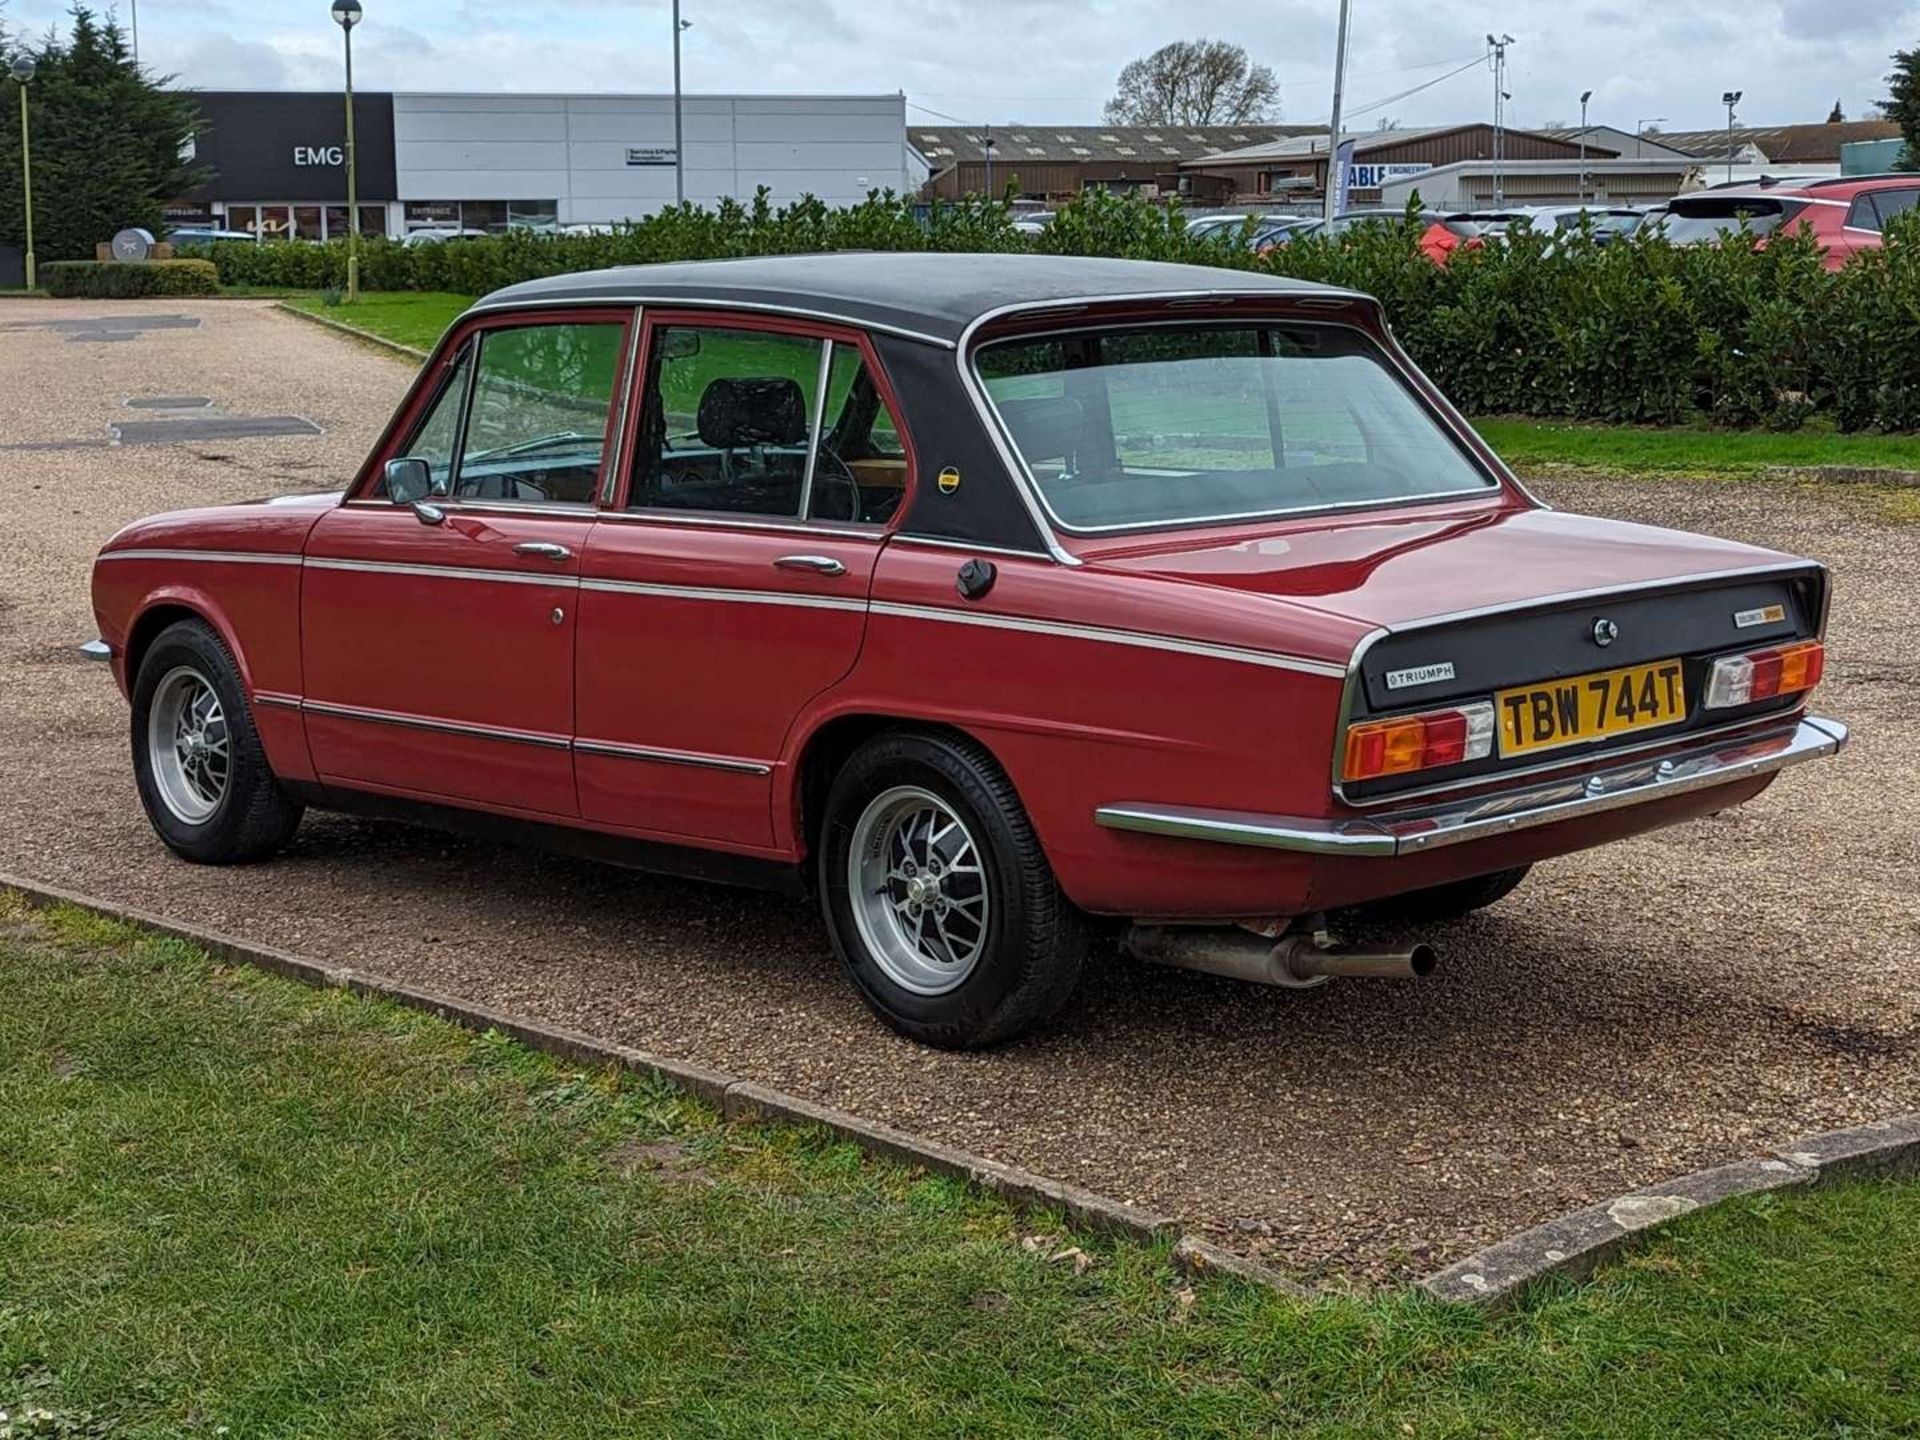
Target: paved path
(1646,1009)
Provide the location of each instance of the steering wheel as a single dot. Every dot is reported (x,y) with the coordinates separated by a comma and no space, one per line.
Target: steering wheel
(828,464)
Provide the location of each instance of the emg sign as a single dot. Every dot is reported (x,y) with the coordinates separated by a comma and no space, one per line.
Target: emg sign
(319,155)
(1372,177)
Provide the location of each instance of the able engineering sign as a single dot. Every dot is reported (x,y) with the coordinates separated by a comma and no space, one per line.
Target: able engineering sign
(1372,177)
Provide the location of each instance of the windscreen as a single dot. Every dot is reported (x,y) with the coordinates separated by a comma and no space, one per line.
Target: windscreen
(1175,425)
(1695,222)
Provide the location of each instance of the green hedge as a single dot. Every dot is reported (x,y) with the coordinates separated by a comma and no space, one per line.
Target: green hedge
(1561,326)
(120,280)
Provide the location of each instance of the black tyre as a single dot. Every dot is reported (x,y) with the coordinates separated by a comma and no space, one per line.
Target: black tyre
(938,897)
(1446,902)
(197,759)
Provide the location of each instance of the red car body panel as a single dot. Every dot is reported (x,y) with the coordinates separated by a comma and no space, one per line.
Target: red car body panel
(669,679)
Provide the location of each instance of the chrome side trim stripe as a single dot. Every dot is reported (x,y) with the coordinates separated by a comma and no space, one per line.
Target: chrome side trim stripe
(1137,638)
(543,739)
(1411,832)
(732,597)
(615,750)
(443,572)
(445,727)
(711,302)
(228,557)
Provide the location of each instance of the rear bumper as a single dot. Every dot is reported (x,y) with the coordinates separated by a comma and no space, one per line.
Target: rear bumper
(1416,831)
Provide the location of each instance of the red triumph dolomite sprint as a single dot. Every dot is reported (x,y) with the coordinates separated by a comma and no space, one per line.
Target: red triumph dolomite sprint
(978,595)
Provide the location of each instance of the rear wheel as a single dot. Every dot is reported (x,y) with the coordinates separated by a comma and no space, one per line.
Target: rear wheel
(202,774)
(1446,902)
(938,897)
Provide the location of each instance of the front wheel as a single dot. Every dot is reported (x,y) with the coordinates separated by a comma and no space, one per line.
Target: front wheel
(938,897)
(198,762)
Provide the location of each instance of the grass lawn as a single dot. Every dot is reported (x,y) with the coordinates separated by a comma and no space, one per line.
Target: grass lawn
(232,1205)
(416,318)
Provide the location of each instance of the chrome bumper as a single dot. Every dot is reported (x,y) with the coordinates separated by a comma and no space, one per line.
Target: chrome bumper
(1408,832)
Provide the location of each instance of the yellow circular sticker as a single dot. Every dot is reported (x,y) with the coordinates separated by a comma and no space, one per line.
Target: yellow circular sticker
(949,480)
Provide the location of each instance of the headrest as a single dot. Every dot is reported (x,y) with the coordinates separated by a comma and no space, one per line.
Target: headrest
(1044,429)
(769,410)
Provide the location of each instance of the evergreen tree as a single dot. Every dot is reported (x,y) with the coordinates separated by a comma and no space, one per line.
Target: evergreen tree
(1902,105)
(108,142)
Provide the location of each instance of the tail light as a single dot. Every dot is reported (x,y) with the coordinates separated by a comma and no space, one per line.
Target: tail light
(1764,674)
(1418,742)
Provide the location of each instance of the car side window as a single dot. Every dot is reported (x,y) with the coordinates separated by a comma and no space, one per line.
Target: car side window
(1863,215)
(726,421)
(438,435)
(860,464)
(537,422)
(1894,202)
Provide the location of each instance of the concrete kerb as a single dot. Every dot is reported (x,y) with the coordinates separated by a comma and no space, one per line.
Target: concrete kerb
(733,1097)
(352,331)
(1572,1245)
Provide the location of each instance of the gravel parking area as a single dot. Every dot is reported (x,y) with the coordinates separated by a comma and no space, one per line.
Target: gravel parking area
(1628,1014)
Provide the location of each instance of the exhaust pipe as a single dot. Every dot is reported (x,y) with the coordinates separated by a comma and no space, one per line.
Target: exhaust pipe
(1296,962)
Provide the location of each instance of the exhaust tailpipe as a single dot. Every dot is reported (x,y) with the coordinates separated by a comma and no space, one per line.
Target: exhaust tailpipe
(1296,962)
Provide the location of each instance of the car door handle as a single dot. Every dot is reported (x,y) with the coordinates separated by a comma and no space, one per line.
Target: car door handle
(819,564)
(545,549)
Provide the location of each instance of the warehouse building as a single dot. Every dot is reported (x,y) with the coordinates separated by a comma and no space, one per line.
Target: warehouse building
(492,162)
(1056,162)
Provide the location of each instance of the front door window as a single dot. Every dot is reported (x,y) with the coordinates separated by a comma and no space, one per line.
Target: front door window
(537,422)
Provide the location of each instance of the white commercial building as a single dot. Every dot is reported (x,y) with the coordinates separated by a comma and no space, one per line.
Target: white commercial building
(277,159)
(601,158)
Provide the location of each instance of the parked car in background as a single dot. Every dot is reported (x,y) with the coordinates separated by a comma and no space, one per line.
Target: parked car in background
(976,594)
(436,235)
(205,235)
(1845,214)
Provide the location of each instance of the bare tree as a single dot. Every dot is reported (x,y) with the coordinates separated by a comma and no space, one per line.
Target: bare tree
(1194,82)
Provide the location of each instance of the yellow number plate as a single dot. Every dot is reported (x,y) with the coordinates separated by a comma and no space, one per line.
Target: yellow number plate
(1590,707)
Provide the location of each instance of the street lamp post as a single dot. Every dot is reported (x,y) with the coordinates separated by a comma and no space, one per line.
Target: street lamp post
(679,160)
(1585,96)
(346,14)
(1730,98)
(22,72)
(1332,191)
(1497,45)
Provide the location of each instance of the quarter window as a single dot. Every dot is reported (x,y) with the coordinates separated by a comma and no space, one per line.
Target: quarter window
(537,422)
(1863,216)
(438,436)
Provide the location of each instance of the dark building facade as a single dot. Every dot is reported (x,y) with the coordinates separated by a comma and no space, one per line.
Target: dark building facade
(278,164)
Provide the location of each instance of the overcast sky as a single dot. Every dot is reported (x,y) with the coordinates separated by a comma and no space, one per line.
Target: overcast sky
(1055,60)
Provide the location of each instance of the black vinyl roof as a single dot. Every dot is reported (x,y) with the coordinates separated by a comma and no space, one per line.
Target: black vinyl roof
(929,296)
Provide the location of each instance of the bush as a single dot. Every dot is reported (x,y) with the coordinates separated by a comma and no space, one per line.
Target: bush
(1555,325)
(122,280)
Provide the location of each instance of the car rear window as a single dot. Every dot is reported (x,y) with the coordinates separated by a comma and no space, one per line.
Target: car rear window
(1708,218)
(1165,425)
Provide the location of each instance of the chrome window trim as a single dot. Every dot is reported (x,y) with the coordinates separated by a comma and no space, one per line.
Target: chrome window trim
(1350,690)
(624,401)
(724,520)
(229,557)
(1138,638)
(1700,767)
(532,509)
(722,595)
(701,302)
(813,430)
(443,572)
(1029,483)
(539,738)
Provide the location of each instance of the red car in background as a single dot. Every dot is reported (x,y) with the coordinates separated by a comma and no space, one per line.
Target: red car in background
(1846,215)
(975,595)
